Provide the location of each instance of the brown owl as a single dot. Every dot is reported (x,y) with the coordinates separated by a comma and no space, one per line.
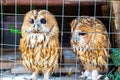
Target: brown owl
(91,45)
(39,44)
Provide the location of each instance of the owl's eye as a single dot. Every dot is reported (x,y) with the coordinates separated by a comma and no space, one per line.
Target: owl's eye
(32,21)
(43,21)
(82,33)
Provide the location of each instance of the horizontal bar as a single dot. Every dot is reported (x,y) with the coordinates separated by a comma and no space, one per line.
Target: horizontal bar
(53,2)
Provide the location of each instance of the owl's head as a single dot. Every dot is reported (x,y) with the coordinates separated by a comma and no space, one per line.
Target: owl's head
(87,29)
(39,21)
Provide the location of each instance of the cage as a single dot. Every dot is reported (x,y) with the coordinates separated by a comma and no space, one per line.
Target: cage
(12,14)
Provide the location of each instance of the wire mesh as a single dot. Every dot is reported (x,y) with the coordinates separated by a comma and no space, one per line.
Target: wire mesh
(64,11)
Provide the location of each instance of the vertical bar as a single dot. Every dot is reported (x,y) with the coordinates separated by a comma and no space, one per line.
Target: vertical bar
(77,53)
(110,19)
(1,36)
(45,32)
(95,9)
(94,28)
(31,7)
(15,46)
(46,4)
(61,36)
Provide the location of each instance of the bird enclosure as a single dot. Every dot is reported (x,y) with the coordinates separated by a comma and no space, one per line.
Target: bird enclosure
(11,20)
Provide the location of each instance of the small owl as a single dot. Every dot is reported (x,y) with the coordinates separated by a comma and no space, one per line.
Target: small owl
(91,44)
(39,44)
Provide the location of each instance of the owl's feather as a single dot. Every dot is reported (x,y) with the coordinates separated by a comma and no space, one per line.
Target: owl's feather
(90,43)
(39,44)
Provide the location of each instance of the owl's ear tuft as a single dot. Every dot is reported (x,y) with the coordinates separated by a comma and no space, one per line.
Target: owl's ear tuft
(73,24)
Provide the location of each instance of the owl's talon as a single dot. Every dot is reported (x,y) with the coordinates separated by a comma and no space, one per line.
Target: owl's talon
(96,76)
(27,78)
(86,74)
(101,77)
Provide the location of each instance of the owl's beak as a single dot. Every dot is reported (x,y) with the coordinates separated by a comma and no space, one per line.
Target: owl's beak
(76,37)
(37,28)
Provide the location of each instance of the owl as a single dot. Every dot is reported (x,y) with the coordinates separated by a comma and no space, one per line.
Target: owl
(91,45)
(39,44)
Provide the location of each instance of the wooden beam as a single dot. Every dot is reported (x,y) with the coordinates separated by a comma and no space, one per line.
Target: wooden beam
(21,77)
(21,69)
(7,51)
(9,64)
(52,2)
(17,67)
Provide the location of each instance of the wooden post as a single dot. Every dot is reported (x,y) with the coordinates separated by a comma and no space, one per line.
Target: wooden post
(116,10)
(119,69)
(105,10)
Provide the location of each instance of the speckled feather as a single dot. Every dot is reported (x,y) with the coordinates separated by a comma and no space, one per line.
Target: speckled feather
(93,51)
(40,50)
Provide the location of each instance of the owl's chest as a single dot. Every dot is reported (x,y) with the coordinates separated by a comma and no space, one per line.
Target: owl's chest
(80,48)
(35,40)
(39,57)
